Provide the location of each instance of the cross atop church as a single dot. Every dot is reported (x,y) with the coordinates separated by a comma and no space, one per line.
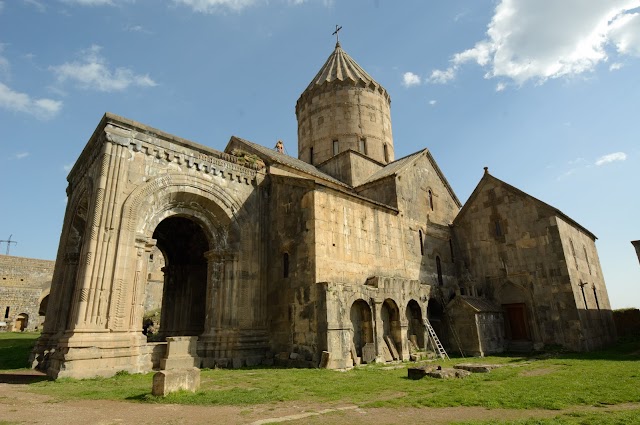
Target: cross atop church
(338,28)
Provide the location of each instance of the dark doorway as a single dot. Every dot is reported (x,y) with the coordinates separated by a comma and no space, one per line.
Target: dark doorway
(390,315)
(516,322)
(183,244)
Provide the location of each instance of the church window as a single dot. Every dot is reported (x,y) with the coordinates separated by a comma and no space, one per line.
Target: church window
(362,147)
(285,264)
(573,252)
(386,152)
(595,295)
(453,258)
(335,147)
(439,270)
(498,228)
(584,297)
(421,242)
(6,313)
(430,199)
(311,155)
(586,257)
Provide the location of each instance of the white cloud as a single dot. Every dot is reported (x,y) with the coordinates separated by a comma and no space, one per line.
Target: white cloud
(543,39)
(21,155)
(213,6)
(612,157)
(90,2)
(67,167)
(442,77)
(22,102)
(615,66)
(36,4)
(410,79)
(1,6)
(432,102)
(92,72)
(500,87)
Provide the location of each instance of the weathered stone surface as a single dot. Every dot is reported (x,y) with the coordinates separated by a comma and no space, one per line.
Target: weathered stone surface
(448,373)
(24,290)
(392,347)
(477,368)
(180,353)
(419,372)
(169,381)
(369,353)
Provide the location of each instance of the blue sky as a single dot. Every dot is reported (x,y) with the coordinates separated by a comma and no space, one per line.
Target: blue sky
(544,93)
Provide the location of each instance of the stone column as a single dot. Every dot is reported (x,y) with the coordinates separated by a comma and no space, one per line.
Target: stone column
(144,246)
(404,338)
(378,329)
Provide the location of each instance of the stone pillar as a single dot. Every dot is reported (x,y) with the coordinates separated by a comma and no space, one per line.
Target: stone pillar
(404,338)
(144,246)
(378,329)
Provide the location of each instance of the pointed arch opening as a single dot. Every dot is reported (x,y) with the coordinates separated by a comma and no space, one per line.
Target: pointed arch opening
(362,324)
(391,331)
(416,329)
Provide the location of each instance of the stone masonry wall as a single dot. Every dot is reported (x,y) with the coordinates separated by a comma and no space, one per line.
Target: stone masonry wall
(23,283)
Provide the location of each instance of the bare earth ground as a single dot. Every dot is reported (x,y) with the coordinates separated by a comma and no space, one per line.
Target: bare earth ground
(18,405)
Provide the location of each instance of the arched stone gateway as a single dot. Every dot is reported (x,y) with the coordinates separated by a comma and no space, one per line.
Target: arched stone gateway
(129,193)
(21,322)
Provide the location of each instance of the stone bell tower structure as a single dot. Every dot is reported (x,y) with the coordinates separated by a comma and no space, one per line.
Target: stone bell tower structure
(344,109)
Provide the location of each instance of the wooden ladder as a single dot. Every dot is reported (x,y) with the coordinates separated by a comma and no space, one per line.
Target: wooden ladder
(436,341)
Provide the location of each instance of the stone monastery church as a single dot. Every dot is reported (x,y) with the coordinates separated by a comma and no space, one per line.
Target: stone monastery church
(343,255)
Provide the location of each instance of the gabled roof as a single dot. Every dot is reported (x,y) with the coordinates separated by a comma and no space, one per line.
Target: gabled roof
(488,177)
(399,165)
(271,156)
(341,68)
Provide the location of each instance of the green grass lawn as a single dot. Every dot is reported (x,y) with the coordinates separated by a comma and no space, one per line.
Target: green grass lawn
(15,348)
(547,381)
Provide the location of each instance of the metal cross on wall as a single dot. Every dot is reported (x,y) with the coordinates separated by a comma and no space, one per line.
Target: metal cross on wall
(338,28)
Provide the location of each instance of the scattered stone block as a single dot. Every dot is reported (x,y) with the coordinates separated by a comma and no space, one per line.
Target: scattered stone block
(392,347)
(294,356)
(324,360)
(448,373)
(419,372)
(169,381)
(386,354)
(181,353)
(369,353)
(476,368)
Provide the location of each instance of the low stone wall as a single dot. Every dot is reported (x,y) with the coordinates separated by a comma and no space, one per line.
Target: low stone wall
(24,282)
(627,322)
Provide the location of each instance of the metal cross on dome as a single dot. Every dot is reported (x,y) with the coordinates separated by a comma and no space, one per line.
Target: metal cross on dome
(338,28)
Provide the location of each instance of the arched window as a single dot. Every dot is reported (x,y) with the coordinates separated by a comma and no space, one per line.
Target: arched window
(311,155)
(439,270)
(430,199)
(363,145)
(386,152)
(336,147)
(421,242)
(285,264)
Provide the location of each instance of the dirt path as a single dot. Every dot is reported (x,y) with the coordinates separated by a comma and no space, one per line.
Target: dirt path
(18,405)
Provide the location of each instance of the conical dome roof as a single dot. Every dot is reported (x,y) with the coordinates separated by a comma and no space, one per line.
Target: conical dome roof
(341,68)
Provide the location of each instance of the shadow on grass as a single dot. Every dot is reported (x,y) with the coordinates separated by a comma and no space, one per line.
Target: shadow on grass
(22,377)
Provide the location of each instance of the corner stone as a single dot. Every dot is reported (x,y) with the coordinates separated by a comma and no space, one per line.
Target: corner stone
(169,381)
